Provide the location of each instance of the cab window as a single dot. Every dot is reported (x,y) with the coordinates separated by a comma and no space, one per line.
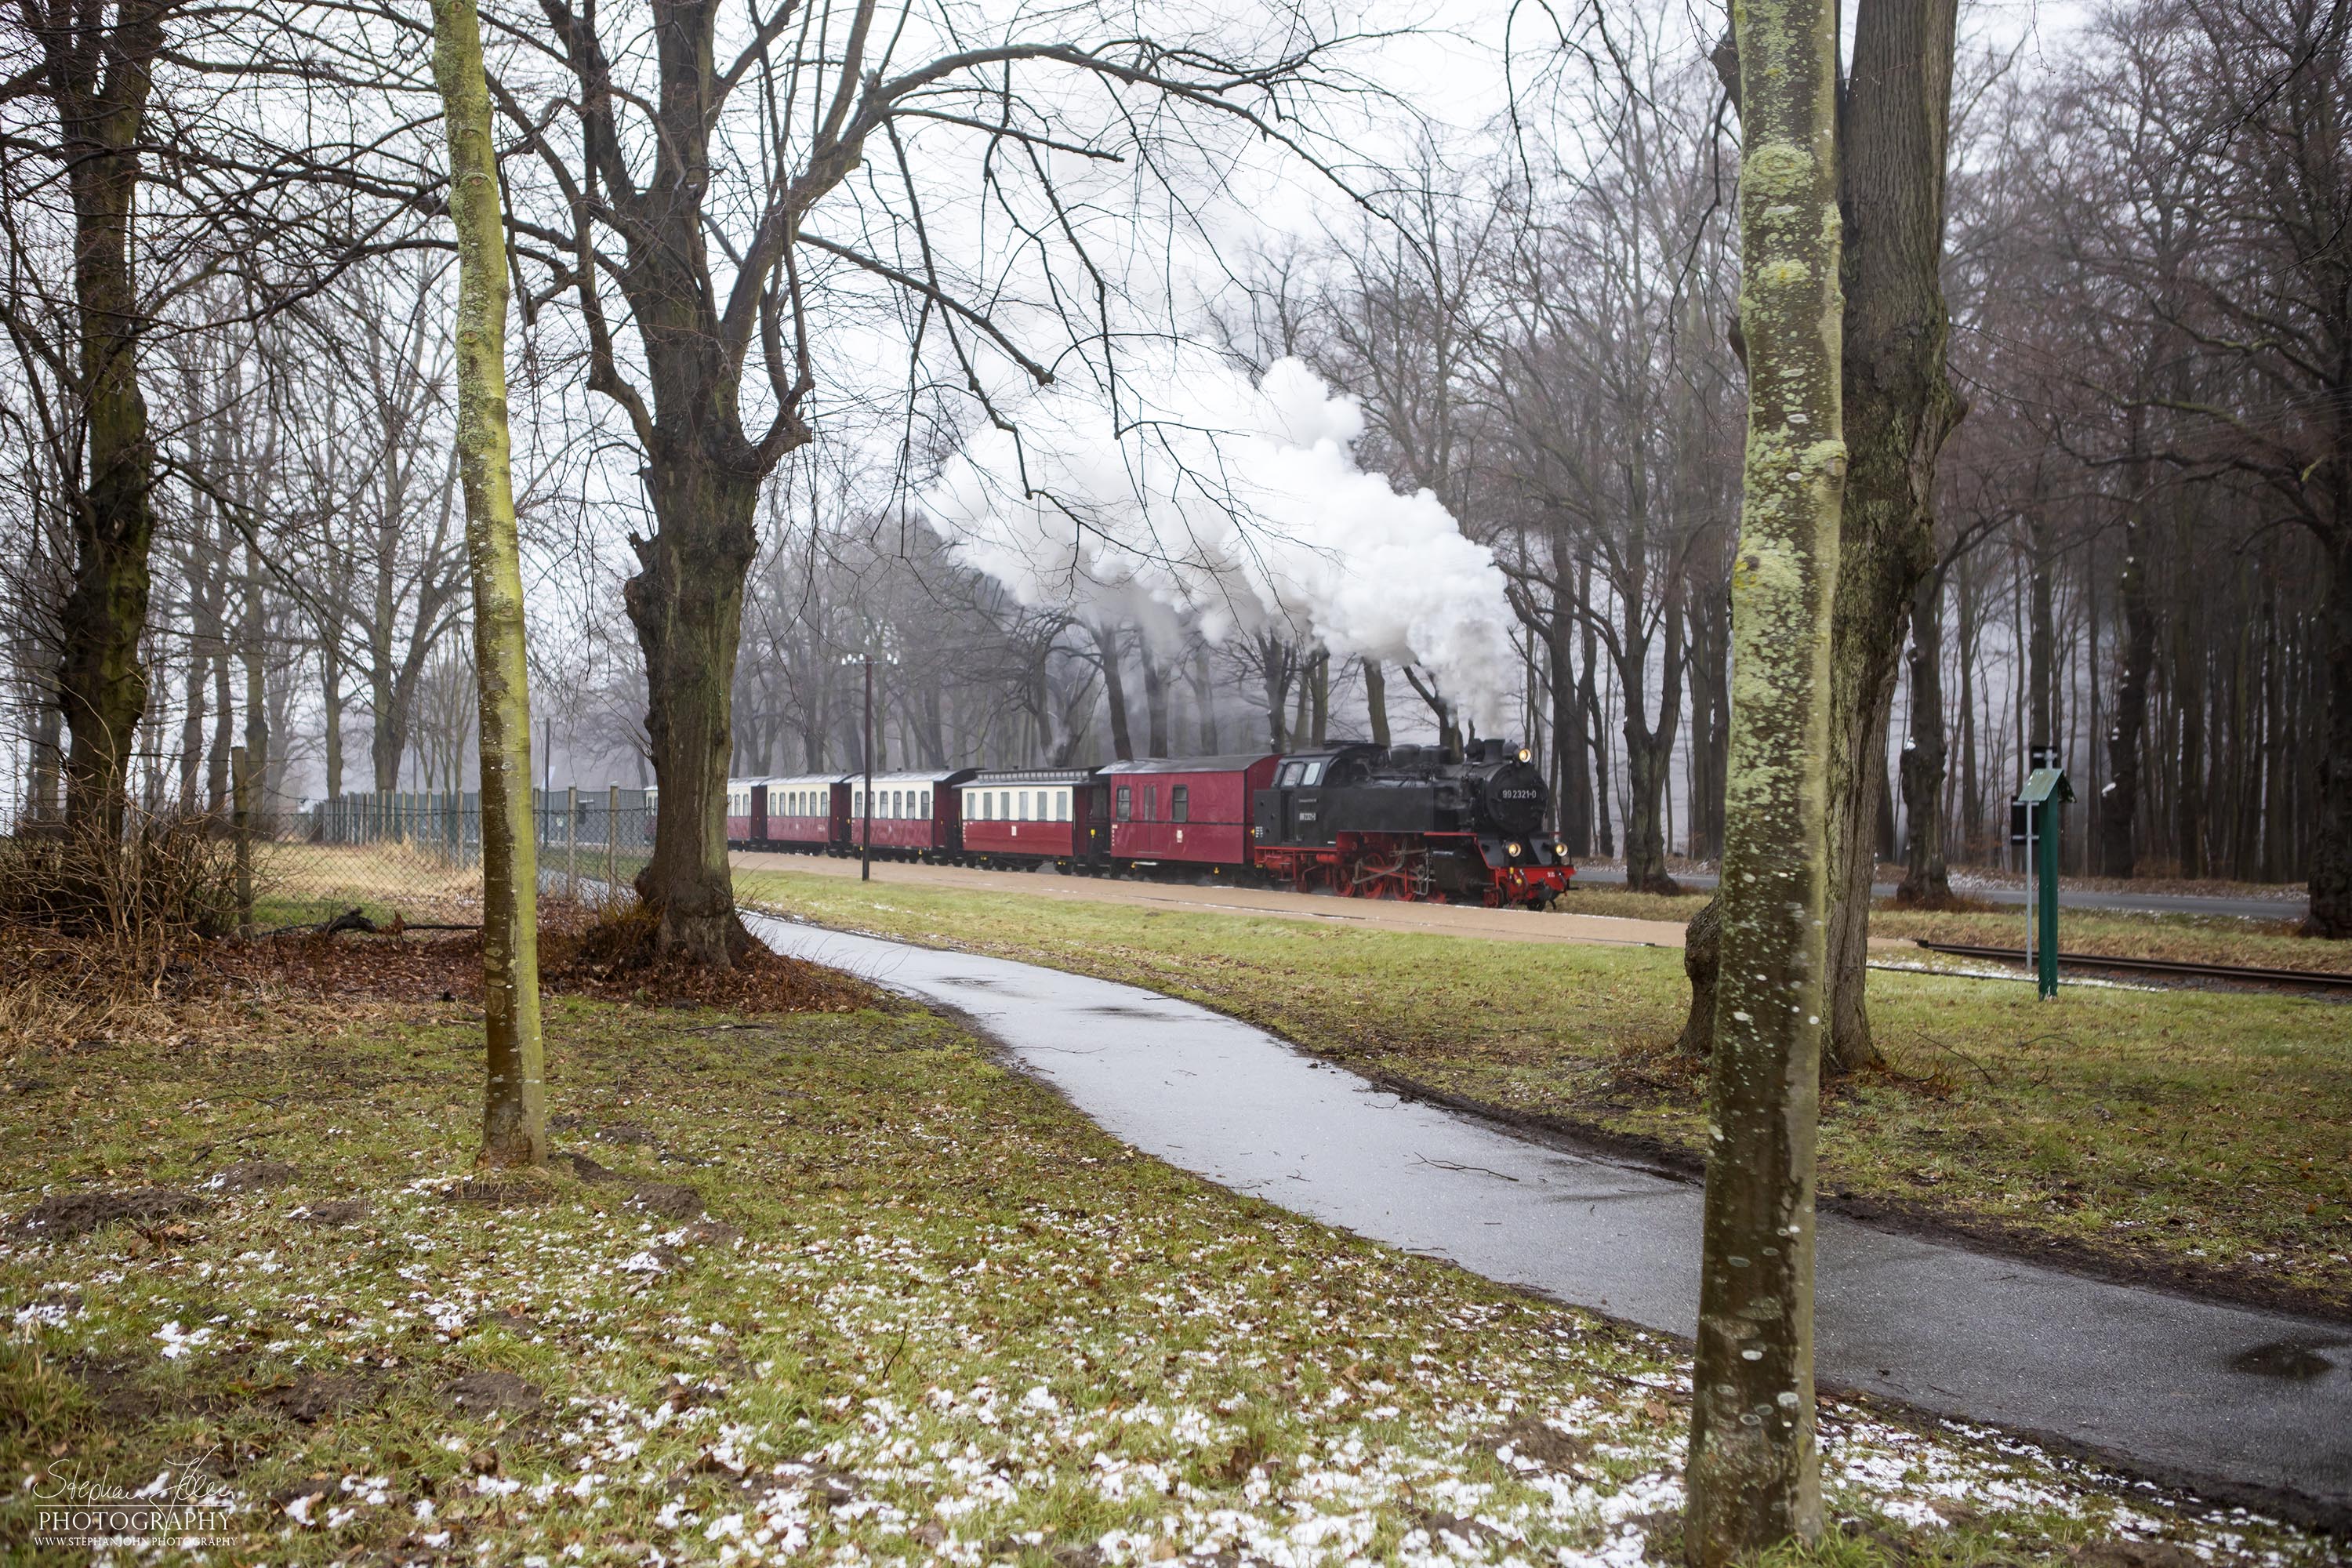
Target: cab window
(1289,778)
(1179,802)
(1313,775)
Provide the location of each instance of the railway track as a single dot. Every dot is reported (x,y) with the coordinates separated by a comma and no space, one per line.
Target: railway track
(2239,973)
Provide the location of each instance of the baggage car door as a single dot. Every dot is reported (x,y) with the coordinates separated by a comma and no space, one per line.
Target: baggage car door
(1093,837)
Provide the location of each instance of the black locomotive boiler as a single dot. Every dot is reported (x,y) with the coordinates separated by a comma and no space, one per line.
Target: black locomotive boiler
(1410,822)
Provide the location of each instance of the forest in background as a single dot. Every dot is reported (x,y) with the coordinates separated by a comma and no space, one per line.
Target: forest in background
(2148,326)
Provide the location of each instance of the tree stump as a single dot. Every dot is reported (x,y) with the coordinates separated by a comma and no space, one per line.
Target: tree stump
(1702,956)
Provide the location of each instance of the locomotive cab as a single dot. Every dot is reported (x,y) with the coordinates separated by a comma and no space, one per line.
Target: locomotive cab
(1410,822)
(1301,807)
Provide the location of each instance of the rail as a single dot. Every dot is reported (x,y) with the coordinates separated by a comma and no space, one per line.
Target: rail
(2242,974)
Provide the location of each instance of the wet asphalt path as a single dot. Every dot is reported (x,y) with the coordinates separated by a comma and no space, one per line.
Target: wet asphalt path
(2206,1394)
(2292,909)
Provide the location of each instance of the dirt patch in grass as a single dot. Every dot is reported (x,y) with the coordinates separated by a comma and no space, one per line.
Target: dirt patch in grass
(605,951)
(71,1215)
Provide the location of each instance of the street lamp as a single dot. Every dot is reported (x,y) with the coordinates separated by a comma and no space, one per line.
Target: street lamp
(866,829)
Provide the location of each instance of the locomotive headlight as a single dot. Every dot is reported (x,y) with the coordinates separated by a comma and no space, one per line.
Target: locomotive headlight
(1526,755)
(1561,850)
(1512,850)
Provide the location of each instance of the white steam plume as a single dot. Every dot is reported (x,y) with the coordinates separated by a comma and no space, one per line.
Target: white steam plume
(1228,506)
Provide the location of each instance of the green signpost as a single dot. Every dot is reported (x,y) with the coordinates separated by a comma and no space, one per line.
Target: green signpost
(2033,820)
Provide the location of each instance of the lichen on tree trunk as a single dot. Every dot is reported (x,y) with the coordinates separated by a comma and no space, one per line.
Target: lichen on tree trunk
(1754,1474)
(514,1088)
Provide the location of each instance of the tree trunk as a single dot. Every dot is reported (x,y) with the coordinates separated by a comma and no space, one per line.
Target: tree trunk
(192,729)
(2331,862)
(1276,662)
(686,604)
(2041,637)
(1376,701)
(330,693)
(1572,745)
(1971,801)
(1155,700)
(2119,807)
(2189,699)
(47,760)
(1205,692)
(1648,754)
(224,734)
(514,1091)
(1898,407)
(1927,880)
(257,694)
(1107,641)
(1319,682)
(101,85)
(1754,1475)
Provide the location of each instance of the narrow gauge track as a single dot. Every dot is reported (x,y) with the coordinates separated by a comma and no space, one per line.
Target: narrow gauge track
(2241,975)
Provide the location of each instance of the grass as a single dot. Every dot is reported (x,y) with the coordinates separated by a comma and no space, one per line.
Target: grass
(2200,1137)
(2180,937)
(930,1315)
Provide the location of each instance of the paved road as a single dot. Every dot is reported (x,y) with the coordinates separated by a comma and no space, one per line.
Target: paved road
(2292,909)
(2174,1387)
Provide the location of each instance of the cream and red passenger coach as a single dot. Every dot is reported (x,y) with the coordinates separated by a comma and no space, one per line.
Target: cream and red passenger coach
(806,812)
(914,815)
(1026,817)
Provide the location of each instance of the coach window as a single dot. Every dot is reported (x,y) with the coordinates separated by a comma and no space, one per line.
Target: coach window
(1024,807)
(898,803)
(927,805)
(1151,802)
(1180,803)
(1061,805)
(1125,810)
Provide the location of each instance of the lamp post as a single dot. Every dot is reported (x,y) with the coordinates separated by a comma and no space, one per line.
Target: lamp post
(866,837)
(866,832)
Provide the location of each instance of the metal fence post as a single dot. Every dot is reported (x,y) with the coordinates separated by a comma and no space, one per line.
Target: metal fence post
(571,842)
(612,840)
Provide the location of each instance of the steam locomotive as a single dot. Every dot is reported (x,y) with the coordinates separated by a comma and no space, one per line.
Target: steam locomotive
(1424,823)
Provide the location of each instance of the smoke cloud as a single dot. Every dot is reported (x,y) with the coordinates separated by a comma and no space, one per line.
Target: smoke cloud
(1184,495)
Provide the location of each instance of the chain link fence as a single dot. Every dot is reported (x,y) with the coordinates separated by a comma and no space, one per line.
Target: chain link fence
(414,857)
